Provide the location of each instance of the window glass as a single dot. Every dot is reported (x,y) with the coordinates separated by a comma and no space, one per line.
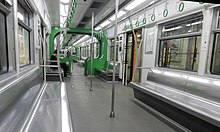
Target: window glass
(218,25)
(23,42)
(175,49)
(183,27)
(23,15)
(23,36)
(96,50)
(111,50)
(138,48)
(3,46)
(216,56)
(88,50)
(181,53)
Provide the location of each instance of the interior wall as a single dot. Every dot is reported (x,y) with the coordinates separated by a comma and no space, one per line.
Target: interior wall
(149,59)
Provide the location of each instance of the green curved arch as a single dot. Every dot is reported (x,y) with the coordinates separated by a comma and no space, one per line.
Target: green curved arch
(103,46)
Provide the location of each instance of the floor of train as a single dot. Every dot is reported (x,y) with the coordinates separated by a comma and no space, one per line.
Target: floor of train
(90,110)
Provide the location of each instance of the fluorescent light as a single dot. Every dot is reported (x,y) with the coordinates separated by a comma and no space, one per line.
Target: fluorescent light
(150,3)
(120,13)
(134,4)
(62,10)
(105,23)
(65,1)
(20,16)
(195,23)
(171,29)
(81,40)
(98,28)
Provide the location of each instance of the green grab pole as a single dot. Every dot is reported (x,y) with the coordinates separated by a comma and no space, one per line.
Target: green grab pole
(103,46)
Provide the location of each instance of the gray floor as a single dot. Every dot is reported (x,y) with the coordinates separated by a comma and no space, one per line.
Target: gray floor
(90,110)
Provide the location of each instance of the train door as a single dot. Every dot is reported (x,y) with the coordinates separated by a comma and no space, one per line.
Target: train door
(131,56)
(138,56)
(120,55)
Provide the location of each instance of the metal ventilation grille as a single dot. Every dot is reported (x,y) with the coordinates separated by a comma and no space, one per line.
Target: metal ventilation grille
(96,5)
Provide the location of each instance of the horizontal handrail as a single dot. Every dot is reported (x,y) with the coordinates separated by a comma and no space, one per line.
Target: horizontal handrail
(48,66)
(51,60)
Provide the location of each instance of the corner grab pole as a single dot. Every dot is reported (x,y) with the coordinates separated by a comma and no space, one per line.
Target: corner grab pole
(112,113)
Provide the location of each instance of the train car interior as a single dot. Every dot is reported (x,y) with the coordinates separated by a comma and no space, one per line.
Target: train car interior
(109,66)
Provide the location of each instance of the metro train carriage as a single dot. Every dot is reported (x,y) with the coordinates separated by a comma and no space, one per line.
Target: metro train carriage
(153,64)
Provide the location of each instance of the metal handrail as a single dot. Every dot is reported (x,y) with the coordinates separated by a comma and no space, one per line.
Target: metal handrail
(106,71)
(49,66)
(51,61)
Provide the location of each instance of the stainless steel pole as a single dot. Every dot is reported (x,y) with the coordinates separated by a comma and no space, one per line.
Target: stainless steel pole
(44,50)
(58,54)
(112,113)
(15,24)
(91,52)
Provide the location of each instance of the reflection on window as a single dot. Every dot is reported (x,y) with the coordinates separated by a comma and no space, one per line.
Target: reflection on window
(23,36)
(88,50)
(216,56)
(178,51)
(3,46)
(111,51)
(23,42)
(182,53)
(218,24)
(183,27)
(23,15)
(138,55)
(96,50)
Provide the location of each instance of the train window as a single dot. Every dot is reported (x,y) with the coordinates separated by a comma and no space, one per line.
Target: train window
(215,69)
(182,53)
(96,50)
(3,45)
(23,36)
(111,50)
(183,27)
(23,41)
(23,15)
(180,44)
(215,64)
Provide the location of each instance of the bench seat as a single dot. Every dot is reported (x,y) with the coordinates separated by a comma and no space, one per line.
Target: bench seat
(28,104)
(200,107)
(106,72)
(196,112)
(50,115)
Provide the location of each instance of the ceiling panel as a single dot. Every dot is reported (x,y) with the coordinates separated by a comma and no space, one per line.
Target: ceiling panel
(53,7)
(81,8)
